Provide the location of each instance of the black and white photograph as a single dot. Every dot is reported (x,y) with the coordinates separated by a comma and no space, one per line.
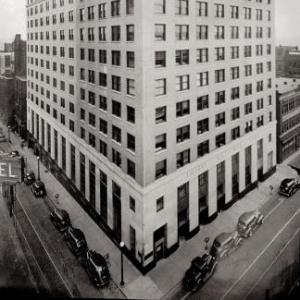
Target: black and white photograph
(150,149)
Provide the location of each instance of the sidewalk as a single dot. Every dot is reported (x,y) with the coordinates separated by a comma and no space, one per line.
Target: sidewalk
(168,273)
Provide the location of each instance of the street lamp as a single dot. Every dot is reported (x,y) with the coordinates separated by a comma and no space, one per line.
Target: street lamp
(8,133)
(122,268)
(38,160)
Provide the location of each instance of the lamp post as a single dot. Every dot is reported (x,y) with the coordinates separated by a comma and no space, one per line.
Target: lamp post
(38,160)
(8,133)
(122,268)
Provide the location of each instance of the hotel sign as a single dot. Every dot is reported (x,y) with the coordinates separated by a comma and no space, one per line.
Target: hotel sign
(11,169)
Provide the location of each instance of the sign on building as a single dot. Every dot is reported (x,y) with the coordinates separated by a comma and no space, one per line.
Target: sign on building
(11,169)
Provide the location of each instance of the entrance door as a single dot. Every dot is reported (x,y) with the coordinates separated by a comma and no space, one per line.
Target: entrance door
(183,210)
(159,242)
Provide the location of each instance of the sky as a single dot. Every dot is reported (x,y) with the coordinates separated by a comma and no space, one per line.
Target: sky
(287,12)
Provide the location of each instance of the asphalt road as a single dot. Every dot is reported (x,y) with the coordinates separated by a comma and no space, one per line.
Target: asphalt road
(240,276)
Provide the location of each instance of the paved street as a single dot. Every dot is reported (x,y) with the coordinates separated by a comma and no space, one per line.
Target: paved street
(237,274)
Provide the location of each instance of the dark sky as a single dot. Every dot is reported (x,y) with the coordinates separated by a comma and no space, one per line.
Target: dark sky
(12,20)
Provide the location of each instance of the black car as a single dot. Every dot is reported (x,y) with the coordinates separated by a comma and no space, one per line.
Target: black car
(60,218)
(201,269)
(75,240)
(288,186)
(14,153)
(29,177)
(38,189)
(96,267)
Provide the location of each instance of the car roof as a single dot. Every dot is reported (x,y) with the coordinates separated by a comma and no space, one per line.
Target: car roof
(39,183)
(247,216)
(287,180)
(223,237)
(62,213)
(76,233)
(97,258)
(29,172)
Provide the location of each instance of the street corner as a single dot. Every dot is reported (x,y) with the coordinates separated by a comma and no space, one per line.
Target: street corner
(149,289)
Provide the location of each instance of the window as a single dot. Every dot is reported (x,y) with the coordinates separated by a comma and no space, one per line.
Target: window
(160,32)
(202,55)
(220,119)
(202,8)
(129,7)
(160,142)
(160,87)
(182,158)
(160,114)
(116,158)
(182,32)
(202,32)
(116,83)
(219,76)
(219,10)
(103,148)
(116,108)
(115,33)
(220,53)
(130,87)
(202,102)
(132,203)
(102,102)
(235,113)
(202,126)
(234,12)
(182,7)
(160,6)
(103,126)
(203,148)
(183,134)
(182,57)
(102,79)
(130,114)
(116,134)
(92,120)
(129,33)
(160,204)
(160,169)
(102,56)
(130,59)
(160,58)
(219,97)
(219,32)
(235,72)
(248,108)
(220,140)
(182,108)
(235,52)
(182,82)
(235,93)
(131,142)
(115,8)
(202,79)
(116,58)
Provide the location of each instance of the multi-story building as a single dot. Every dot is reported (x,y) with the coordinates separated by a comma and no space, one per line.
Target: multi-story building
(157,114)
(6,62)
(288,117)
(287,61)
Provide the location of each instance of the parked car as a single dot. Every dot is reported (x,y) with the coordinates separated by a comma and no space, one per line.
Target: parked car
(29,177)
(60,218)
(225,243)
(75,240)
(248,221)
(96,267)
(201,269)
(289,186)
(38,189)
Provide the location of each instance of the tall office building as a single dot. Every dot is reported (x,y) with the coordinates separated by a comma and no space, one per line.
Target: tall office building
(160,113)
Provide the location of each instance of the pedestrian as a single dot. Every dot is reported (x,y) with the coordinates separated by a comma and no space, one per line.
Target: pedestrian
(271,189)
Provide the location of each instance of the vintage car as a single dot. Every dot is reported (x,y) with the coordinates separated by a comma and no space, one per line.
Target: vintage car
(288,186)
(96,268)
(29,177)
(201,269)
(225,243)
(75,240)
(248,221)
(38,189)
(60,218)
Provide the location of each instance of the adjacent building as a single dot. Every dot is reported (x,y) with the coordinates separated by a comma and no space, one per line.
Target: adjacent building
(6,62)
(288,117)
(155,114)
(288,61)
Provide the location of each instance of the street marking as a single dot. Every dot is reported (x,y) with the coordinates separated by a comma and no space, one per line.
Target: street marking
(273,261)
(274,208)
(70,292)
(261,253)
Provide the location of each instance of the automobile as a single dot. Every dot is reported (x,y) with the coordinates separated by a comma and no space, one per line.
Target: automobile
(288,186)
(75,240)
(29,177)
(225,243)
(60,218)
(248,221)
(96,268)
(38,189)
(14,153)
(201,269)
